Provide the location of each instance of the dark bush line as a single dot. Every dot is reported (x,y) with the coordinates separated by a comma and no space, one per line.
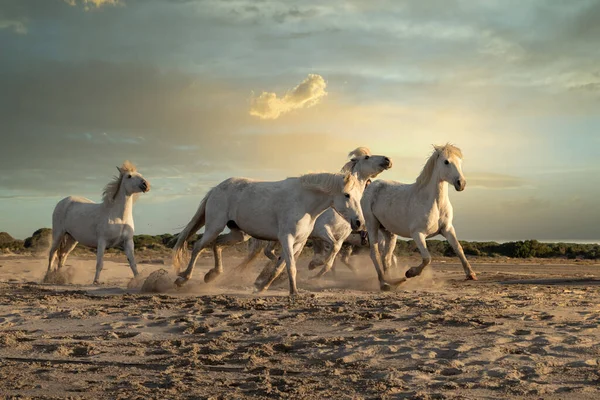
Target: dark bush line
(521,249)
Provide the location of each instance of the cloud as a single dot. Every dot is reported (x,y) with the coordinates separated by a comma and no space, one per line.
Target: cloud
(495,181)
(94,3)
(306,94)
(15,25)
(526,205)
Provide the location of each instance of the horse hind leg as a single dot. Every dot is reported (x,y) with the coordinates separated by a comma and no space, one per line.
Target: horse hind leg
(254,249)
(67,246)
(230,239)
(211,232)
(57,240)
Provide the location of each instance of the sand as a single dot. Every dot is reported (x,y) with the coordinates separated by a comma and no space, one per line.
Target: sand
(522,331)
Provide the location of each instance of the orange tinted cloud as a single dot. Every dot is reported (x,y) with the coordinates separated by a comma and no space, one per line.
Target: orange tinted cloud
(306,94)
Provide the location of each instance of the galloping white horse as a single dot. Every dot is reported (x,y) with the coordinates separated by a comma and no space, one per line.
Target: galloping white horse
(419,210)
(283,210)
(107,224)
(330,228)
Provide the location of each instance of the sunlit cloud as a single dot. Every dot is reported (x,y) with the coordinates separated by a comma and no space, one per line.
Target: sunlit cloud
(306,94)
(90,4)
(495,181)
(16,26)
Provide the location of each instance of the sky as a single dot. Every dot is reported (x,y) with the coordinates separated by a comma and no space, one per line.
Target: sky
(196,91)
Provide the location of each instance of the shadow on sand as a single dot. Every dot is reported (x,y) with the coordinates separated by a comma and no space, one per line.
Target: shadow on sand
(554,281)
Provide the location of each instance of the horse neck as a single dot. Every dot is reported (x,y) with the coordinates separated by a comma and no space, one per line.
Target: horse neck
(435,192)
(122,206)
(317,203)
(362,176)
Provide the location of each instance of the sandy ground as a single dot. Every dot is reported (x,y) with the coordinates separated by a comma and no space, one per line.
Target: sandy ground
(522,331)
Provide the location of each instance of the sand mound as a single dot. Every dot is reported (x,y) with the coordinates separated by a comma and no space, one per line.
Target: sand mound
(158,282)
(61,276)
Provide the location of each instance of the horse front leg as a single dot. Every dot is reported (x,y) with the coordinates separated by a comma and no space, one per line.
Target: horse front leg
(335,249)
(267,277)
(345,254)
(374,252)
(388,244)
(450,236)
(419,238)
(99,259)
(129,247)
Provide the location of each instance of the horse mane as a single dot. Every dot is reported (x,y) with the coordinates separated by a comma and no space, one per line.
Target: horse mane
(112,188)
(354,154)
(448,150)
(327,182)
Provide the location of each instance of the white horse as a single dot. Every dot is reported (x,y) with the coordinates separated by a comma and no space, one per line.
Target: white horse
(107,224)
(283,210)
(419,211)
(330,228)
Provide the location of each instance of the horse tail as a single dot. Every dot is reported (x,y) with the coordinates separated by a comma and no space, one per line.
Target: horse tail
(197,222)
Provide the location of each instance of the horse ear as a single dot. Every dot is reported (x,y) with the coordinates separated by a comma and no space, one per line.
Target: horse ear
(119,169)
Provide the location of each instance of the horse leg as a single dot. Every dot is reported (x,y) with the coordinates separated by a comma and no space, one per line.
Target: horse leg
(345,254)
(232,238)
(335,248)
(270,250)
(326,241)
(374,247)
(266,277)
(57,239)
(253,252)
(450,236)
(419,239)
(69,243)
(128,247)
(99,259)
(388,249)
(210,234)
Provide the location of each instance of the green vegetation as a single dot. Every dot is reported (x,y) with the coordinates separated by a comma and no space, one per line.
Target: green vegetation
(40,241)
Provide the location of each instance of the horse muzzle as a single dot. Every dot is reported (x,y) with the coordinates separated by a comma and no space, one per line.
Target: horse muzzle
(460,184)
(387,163)
(145,186)
(357,225)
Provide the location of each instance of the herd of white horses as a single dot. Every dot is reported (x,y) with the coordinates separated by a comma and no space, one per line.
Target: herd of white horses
(324,207)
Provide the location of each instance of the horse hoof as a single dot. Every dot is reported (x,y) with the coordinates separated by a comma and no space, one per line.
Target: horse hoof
(180,281)
(211,276)
(96,283)
(385,287)
(411,273)
(259,287)
(311,266)
(472,277)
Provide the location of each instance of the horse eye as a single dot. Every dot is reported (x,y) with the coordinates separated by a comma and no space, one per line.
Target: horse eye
(347,195)
(367,157)
(129,176)
(446,162)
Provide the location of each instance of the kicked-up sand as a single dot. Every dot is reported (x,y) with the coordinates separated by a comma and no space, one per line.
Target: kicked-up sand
(527,331)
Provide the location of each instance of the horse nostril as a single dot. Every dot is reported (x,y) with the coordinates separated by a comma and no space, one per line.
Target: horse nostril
(358,223)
